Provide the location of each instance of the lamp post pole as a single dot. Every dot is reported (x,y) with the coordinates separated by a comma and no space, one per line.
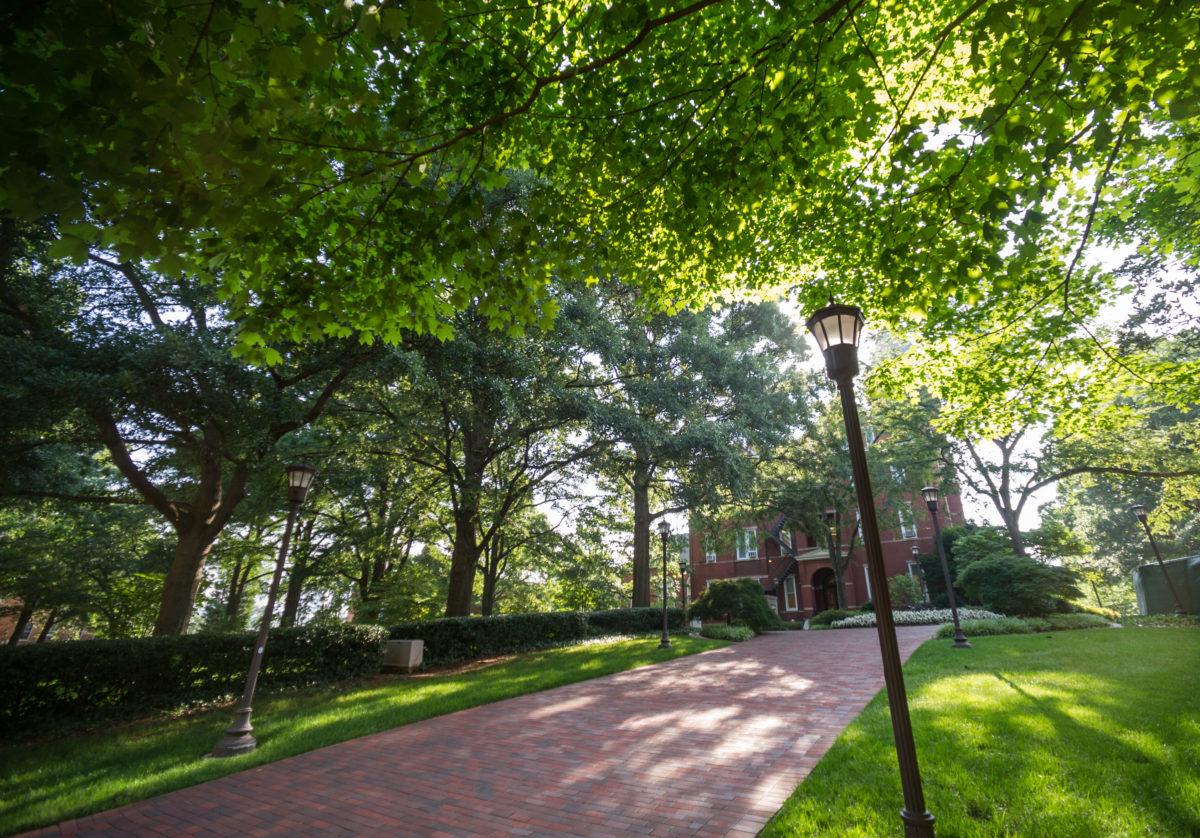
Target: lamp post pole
(837,329)
(1140,511)
(239,738)
(830,527)
(664,530)
(683,569)
(930,493)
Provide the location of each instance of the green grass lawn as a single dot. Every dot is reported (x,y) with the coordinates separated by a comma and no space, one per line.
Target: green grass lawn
(46,781)
(1080,733)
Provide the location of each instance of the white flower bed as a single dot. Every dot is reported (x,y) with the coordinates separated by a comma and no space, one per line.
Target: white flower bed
(916,618)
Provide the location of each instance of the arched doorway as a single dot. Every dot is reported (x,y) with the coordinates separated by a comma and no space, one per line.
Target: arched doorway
(824,585)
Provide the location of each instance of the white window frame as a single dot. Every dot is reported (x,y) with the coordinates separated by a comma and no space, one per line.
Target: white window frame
(747,541)
(790,602)
(908,523)
(710,553)
(785,538)
(27,631)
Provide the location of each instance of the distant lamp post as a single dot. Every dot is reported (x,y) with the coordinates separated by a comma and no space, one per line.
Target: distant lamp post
(830,517)
(239,738)
(837,329)
(664,529)
(1139,510)
(930,493)
(683,569)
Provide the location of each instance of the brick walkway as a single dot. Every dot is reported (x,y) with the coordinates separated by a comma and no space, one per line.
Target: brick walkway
(710,744)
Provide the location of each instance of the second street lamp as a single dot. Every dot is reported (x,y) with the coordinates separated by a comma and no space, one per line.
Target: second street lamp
(930,493)
(683,569)
(1139,510)
(239,738)
(837,329)
(664,529)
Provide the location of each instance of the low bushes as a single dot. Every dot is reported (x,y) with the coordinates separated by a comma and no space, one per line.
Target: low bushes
(735,633)
(1107,613)
(458,639)
(90,679)
(824,618)
(1161,621)
(930,617)
(1026,625)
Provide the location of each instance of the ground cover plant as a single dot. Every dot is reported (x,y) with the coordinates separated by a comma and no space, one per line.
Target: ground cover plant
(929,617)
(47,781)
(734,633)
(1087,733)
(1025,625)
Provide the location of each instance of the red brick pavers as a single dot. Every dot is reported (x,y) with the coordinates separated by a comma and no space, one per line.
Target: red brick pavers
(711,744)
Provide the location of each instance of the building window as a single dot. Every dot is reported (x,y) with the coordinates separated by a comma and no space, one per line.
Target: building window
(908,525)
(710,552)
(747,543)
(858,524)
(789,593)
(785,538)
(27,632)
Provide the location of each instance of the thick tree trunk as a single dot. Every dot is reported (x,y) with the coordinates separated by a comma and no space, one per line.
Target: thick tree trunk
(641,534)
(182,583)
(295,588)
(45,633)
(1012,524)
(839,578)
(463,560)
(233,600)
(487,602)
(23,618)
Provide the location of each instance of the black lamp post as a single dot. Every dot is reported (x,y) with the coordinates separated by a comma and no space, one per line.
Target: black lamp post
(830,517)
(683,569)
(1139,510)
(239,738)
(930,493)
(837,329)
(664,529)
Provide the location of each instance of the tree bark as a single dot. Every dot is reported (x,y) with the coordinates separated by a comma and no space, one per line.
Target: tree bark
(641,533)
(487,602)
(182,582)
(295,588)
(23,618)
(1012,524)
(44,635)
(465,557)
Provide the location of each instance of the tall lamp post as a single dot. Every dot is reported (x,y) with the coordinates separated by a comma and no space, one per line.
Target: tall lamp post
(683,569)
(930,493)
(239,738)
(664,529)
(830,517)
(1139,509)
(837,329)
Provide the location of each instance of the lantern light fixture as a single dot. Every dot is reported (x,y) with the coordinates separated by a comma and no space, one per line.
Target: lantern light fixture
(300,478)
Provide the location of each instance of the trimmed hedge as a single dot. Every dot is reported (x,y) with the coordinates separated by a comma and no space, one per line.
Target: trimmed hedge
(1025,625)
(49,683)
(458,639)
(824,618)
(735,633)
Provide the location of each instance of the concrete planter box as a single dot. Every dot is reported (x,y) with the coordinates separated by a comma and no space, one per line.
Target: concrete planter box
(403,655)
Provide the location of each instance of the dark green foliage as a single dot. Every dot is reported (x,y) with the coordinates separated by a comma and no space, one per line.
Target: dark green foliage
(826,617)
(735,633)
(48,683)
(739,601)
(1016,585)
(456,639)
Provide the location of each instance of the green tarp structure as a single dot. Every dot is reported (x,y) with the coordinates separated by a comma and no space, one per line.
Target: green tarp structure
(1153,593)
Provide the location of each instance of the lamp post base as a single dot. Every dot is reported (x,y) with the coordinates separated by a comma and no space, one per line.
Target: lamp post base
(917,826)
(665,643)
(960,640)
(239,738)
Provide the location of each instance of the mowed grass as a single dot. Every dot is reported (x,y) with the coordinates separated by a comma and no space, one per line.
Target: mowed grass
(1081,733)
(50,780)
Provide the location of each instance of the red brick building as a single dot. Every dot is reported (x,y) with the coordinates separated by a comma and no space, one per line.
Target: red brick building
(795,572)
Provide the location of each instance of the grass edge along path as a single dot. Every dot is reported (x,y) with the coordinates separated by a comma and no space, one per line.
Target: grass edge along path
(1082,733)
(51,780)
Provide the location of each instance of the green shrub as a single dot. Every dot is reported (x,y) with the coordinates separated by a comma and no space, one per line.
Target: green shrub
(1017,585)
(983,628)
(788,625)
(1107,613)
(458,639)
(739,601)
(734,633)
(1016,625)
(45,683)
(1061,622)
(824,618)
(1161,621)
(904,590)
